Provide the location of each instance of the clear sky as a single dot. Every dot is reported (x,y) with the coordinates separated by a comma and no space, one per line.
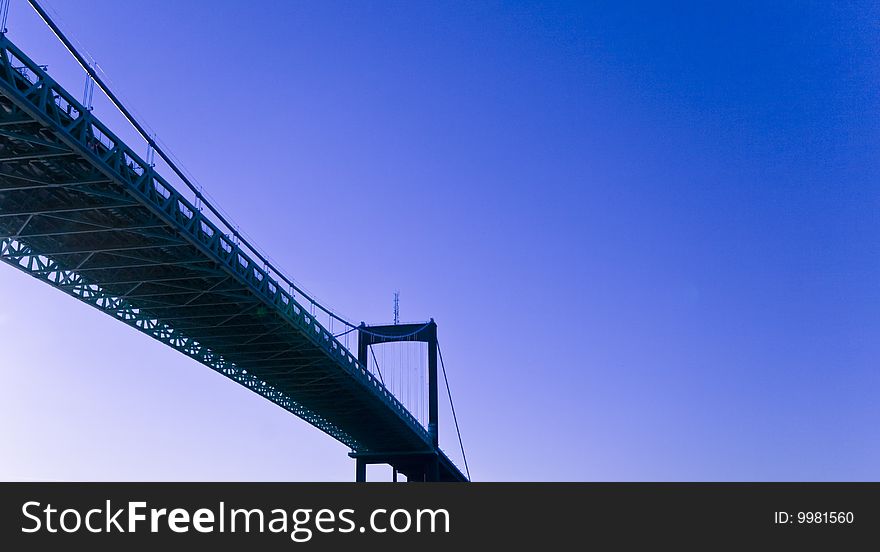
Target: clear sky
(648,233)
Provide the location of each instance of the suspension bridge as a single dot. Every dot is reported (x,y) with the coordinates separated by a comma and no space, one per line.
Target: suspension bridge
(84,213)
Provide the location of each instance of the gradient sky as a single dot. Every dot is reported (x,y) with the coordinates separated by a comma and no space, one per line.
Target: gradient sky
(648,233)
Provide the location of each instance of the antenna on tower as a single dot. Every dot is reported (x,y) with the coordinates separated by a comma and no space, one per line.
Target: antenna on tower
(396,307)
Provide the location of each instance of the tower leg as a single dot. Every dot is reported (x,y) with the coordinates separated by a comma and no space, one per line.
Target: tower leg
(433,415)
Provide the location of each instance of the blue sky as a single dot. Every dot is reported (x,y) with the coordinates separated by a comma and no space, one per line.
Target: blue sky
(648,233)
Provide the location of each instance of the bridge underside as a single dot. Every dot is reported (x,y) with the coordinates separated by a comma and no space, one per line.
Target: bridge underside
(80,211)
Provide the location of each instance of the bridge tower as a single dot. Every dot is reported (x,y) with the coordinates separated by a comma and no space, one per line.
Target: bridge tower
(417,466)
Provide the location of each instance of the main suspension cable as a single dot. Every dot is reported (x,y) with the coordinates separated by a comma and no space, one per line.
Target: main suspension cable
(200,197)
(170,162)
(452,406)
(370,347)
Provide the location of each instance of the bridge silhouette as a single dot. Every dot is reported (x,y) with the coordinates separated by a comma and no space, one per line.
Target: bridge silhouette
(81,211)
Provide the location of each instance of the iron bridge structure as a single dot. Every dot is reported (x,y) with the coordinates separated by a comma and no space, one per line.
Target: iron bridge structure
(82,212)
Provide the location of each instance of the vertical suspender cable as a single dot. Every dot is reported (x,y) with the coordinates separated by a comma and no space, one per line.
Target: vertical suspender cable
(4,14)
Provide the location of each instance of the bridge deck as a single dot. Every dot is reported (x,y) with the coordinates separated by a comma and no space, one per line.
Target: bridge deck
(81,211)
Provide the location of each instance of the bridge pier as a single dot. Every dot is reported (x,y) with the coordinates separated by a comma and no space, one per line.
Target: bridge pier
(360,470)
(416,466)
(433,469)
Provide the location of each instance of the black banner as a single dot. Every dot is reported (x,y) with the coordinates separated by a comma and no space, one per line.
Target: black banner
(318,516)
